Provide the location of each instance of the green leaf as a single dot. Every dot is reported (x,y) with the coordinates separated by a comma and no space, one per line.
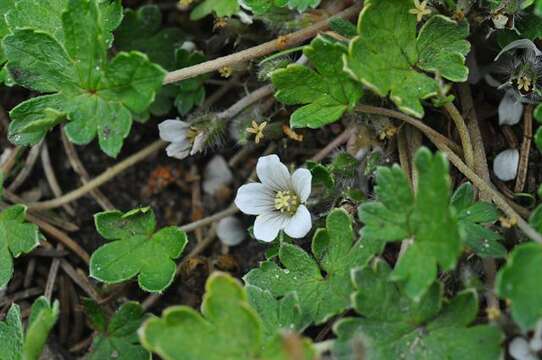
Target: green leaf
(518,282)
(16,345)
(136,250)
(538,135)
(326,92)
(395,62)
(142,30)
(5,6)
(119,339)
(220,8)
(392,326)
(16,238)
(261,7)
(427,218)
(277,315)
(98,97)
(228,328)
(322,281)
(472,216)
(47,16)
(191,92)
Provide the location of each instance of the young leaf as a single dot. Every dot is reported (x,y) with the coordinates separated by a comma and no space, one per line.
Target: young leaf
(472,216)
(16,237)
(118,339)
(5,5)
(394,62)
(427,218)
(519,283)
(276,315)
(327,91)
(227,328)
(220,8)
(96,96)
(14,344)
(322,281)
(136,249)
(393,326)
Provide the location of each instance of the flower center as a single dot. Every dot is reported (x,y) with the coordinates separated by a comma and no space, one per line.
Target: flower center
(287,201)
(524,83)
(191,134)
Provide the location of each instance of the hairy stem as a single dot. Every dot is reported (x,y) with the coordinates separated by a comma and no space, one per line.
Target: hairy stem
(464,136)
(280,43)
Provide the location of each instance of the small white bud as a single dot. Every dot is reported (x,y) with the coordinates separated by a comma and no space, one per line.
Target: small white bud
(510,109)
(230,231)
(217,175)
(505,165)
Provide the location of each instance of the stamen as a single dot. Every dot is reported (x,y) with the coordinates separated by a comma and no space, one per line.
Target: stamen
(287,201)
(524,83)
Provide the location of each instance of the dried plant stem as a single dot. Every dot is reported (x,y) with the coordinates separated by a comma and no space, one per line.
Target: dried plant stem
(470,116)
(338,141)
(280,43)
(27,169)
(78,167)
(477,181)
(51,176)
(101,179)
(246,101)
(402,148)
(464,135)
(523,165)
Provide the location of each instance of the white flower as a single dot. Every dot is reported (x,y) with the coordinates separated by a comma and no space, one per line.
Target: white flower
(230,231)
(505,165)
(510,109)
(217,175)
(520,350)
(185,140)
(278,200)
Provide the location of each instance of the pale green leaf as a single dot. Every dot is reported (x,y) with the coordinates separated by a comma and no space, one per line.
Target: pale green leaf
(391,59)
(16,238)
(392,326)
(228,328)
(322,281)
(518,282)
(220,8)
(327,92)
(136,250)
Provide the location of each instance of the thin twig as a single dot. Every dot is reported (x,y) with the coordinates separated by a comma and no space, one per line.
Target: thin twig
(27,169)
(338,141)
(246,101)
(51,177)
(463,131)
(523,165)
(53,272)
(402,147)
(100,179)
(281,43)
(8,164)
(60,236)
(79,168)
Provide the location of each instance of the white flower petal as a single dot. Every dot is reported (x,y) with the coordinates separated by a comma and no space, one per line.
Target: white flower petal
(230,231)
(520,44)
(519,349)
(300,224)
(178,150)
(255,199)
(173,130)
(273,173)
(510,109)
(217,175)
(199,143)
(301,182)
(505,165)
(268,225)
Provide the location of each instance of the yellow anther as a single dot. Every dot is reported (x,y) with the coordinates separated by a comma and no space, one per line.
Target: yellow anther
(287,201)
(524,83)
